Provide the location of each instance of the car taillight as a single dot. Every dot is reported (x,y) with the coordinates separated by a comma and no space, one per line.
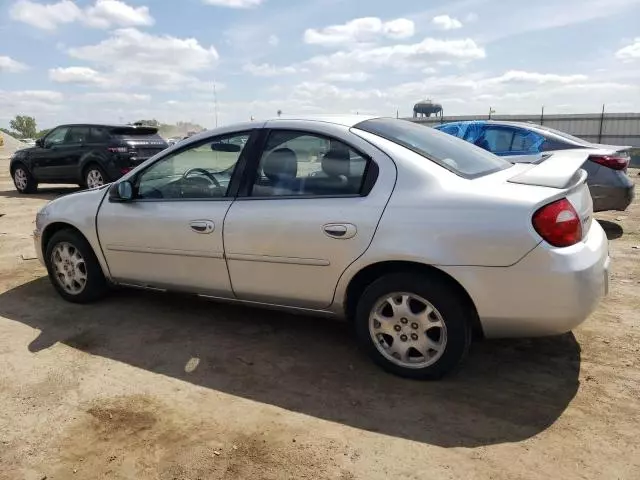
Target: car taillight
(118,149)
(558,223)
(125,170)
(615,162)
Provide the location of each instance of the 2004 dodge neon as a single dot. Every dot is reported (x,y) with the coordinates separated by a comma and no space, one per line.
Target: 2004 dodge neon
(421,239)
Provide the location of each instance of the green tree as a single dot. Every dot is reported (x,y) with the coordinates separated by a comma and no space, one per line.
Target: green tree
(24,125)
(42,133)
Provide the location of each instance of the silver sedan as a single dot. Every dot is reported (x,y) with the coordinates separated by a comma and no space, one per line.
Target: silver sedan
(420,239)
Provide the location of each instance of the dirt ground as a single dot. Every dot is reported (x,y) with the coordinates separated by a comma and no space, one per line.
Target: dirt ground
(153,386)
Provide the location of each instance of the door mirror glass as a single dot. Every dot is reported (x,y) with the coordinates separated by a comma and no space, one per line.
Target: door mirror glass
(40,142)
(121,192)
(125,190)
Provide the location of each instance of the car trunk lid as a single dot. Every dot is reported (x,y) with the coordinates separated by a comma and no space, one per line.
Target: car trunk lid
(561,171)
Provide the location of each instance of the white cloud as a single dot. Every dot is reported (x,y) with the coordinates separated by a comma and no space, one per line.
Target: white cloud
(45,16)
(630,52)
(129,58)
(399,28)
(471,17)
(268,70)
(108,13)
(35,95)
(103,14)
(233,3)
(347,77)
(79,75)
(400,55)
(141,51)
(273,40)
(322,90)
(513,76)
(445,22)
(359,30)
(9,65)
(29,102)
(119,97)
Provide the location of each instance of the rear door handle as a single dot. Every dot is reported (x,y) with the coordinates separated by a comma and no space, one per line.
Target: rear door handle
(340,230)
(202,226)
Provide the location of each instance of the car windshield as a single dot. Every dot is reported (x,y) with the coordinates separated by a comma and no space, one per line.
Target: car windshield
(450,152)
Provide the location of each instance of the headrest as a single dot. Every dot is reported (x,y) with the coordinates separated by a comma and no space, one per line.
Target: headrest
(281,163)
(336,162)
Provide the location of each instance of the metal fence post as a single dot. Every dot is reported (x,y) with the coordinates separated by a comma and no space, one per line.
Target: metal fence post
(601,125)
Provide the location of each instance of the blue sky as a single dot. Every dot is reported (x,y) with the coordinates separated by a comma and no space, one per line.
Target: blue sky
(123,60)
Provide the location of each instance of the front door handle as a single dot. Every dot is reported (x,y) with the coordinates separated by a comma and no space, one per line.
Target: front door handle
(202,226)
(340,230)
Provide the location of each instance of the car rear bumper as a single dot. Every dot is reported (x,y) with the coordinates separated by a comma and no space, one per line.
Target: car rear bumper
(612,197)
(550,291)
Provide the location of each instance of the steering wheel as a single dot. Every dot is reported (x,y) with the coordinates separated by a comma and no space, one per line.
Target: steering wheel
(204,172)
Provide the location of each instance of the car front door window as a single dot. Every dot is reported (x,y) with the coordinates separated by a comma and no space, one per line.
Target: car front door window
(57,137)
(200,172)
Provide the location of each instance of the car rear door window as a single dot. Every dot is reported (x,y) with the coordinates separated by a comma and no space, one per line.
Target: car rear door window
(77,135)
(526,142)
(306,164)
(496,140)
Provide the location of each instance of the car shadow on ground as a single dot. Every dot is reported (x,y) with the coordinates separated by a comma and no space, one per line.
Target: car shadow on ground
(612,229)
(43,193)
(506,391)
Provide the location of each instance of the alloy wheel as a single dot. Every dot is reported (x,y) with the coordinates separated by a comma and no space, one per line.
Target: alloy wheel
(408,330)
(69,267)
(20,179)
(94,178)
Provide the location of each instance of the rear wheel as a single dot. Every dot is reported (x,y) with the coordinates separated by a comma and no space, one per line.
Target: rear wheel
(73,268)
(23,180)
(414,326)
(94,176)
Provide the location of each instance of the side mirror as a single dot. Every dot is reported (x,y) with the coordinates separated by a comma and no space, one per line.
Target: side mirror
(40,142)
(121,192)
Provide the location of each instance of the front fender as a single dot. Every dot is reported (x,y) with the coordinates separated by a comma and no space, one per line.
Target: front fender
(78,210)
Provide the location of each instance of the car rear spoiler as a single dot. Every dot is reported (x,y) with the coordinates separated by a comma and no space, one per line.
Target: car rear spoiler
(558,170)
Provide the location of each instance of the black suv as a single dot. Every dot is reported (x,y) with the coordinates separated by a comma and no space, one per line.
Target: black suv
(87,155)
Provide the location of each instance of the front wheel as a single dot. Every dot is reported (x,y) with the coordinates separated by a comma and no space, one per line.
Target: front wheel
(73,268)
(23,180)
(414,326)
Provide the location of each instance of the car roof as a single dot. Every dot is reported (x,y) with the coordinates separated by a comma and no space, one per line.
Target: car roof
(347,120)
(107,125)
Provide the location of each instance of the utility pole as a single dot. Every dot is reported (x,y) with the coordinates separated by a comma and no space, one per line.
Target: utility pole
(491,110)
(542,116)
(215,102)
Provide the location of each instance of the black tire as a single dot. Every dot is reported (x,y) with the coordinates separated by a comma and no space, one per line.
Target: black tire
(96,285)
(446,300)
(31,186)
(93,168)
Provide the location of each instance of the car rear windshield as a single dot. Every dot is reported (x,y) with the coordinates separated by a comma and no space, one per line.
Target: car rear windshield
(454,154)
(580,141)
(134,131)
